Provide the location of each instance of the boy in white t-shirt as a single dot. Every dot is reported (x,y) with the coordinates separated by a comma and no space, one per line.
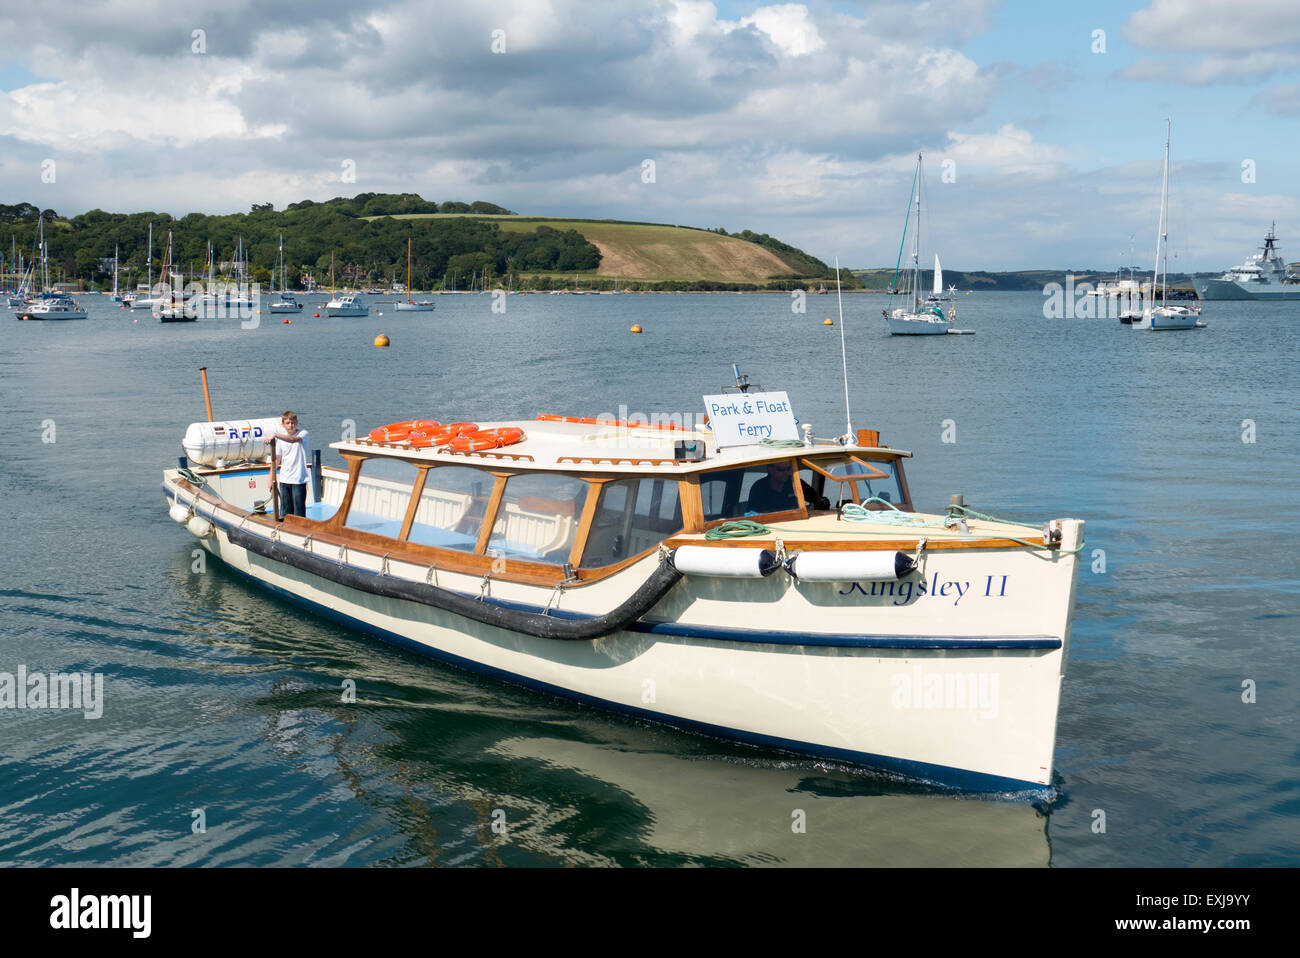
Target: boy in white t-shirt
(291,456)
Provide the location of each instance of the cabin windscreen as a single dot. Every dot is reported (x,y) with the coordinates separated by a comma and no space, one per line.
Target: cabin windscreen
(857,480)
(632,516)
(752,490)
(451,507)
(538,518)
(382,495)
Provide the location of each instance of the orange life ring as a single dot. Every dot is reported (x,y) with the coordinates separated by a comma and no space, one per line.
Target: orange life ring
(398,431)
(488,439)
(423,438)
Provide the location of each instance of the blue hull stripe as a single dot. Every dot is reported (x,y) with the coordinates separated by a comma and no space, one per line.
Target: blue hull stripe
(923,771)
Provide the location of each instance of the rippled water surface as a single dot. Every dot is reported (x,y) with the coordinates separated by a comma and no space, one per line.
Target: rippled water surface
(222,699)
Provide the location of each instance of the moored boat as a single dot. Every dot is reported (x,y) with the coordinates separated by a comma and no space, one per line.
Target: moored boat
(1263,277)
(916,317)
(56,306)
(347,304)
(1164,316)
(410,305)
(602,561)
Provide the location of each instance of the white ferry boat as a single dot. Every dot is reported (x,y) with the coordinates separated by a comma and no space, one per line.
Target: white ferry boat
(787,596)
(1262,276)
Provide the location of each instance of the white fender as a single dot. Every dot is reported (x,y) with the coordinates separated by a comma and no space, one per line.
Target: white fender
(179,512)
(720,561)
(200,526)
(850,566)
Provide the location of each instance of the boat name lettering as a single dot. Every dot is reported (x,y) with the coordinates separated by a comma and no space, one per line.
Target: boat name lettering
(995,586)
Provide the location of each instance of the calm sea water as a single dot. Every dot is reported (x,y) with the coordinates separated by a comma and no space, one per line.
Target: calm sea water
(222,699)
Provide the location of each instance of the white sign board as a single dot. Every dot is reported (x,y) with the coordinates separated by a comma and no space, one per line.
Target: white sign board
(745,419)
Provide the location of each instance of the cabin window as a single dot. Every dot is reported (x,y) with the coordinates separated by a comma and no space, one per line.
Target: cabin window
(538,517)
(855,479)
(633,515)
(753,490)
(451,507)
(382,494)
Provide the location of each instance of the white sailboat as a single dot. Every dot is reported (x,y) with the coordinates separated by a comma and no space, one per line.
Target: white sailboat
(172,307)
(286,302)
(50,305)
(1165,316)
(145,297)
(411,306)
(916,318)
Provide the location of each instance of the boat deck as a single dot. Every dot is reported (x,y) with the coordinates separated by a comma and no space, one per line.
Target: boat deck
(827,530)
(587,447)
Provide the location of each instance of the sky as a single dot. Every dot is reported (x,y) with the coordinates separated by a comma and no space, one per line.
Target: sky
(1042,125)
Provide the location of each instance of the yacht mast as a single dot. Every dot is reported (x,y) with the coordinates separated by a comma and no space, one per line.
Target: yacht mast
(916,244)
(1162,235)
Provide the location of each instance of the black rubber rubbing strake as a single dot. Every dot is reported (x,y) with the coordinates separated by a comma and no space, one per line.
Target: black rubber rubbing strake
(530,623)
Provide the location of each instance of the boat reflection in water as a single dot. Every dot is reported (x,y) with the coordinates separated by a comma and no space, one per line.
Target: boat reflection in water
(748,812)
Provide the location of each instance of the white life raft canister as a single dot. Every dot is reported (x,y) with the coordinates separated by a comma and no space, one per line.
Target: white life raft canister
(206,442)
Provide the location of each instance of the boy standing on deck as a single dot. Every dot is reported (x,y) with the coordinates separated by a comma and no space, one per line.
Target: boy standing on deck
(291,457)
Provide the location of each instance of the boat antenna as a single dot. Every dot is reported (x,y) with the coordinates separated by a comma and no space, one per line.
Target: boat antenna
(844,358)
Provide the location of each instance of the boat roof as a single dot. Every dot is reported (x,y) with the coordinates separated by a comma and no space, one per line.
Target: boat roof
(589,447)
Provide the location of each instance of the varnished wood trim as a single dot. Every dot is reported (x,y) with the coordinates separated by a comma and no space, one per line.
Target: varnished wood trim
(820,471)
(417,490)
(902,481)
(616,460)
(335,522)
(594,491)
(798,487)
(867,465)
(490,516)
(688,491)
(870,545)
(484,454)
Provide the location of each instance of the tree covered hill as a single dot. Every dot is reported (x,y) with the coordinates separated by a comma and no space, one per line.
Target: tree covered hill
(365,236)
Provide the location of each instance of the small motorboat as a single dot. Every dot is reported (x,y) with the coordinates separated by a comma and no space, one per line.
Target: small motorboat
(347,304)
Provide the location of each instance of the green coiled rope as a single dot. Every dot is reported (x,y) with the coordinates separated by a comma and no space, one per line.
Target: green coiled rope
(737,529)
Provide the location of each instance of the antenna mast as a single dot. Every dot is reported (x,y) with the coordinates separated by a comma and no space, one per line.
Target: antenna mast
(848,416)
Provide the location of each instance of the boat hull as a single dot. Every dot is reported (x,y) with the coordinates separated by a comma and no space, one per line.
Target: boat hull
(1218,289)
(964,697)
(414,307)
(1157,321)
(347,311)
(905,327)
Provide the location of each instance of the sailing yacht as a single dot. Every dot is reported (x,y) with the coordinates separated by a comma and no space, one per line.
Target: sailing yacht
(50,305)
(1165,316)
(411,306)
(144,297)
(172,308)
(285,302)
(916,318)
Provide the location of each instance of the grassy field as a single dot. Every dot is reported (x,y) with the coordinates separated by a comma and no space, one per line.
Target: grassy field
(657,253)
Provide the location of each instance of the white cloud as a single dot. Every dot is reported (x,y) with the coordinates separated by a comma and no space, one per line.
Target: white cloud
(1208,26)
(788,27)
